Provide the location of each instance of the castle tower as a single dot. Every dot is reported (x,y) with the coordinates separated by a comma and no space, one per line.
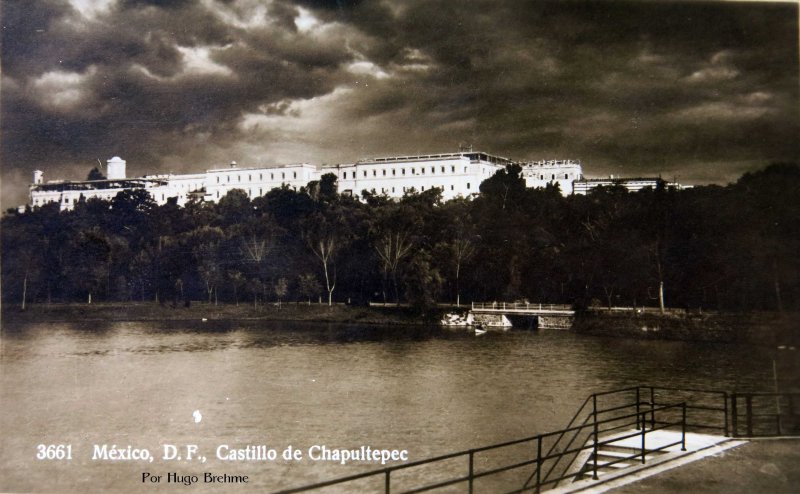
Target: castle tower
(38,177)
(115,168)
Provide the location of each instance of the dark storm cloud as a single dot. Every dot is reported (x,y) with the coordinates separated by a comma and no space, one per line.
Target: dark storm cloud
(628,87)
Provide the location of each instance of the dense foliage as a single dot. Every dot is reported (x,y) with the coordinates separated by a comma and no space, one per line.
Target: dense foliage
(727,248)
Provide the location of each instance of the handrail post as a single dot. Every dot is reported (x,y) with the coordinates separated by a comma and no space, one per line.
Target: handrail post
(638,406)
(594,413)
(652,409)
(725,406)
(539,464)
(683,427)
(748,402)
(387,482)
(471,469)
(734,416)
(643,434)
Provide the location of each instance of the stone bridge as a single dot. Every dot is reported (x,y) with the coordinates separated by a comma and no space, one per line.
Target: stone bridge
(524,314)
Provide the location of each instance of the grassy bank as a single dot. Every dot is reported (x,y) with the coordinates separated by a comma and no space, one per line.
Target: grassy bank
(148,311)
(767,328)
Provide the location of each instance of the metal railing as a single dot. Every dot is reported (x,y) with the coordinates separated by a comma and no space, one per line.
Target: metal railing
(521,306)
(545,459)
(705,410)
(765,414)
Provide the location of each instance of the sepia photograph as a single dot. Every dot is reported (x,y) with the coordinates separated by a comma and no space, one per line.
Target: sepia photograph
(400,246)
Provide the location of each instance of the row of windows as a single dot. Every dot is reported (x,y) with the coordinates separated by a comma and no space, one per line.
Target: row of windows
(251,192)
(422,169)
(553,176)
(385,190)
(260,177)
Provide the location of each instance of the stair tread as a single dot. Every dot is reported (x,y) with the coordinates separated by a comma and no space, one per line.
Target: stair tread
(616,454)
(613,465)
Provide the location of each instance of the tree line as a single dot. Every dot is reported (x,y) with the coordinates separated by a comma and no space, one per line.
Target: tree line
(713,247)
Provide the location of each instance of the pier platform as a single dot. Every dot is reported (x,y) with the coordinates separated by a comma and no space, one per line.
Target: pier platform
(710,464)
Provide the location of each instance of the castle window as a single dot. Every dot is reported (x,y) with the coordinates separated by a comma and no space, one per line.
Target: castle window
(422,170)
(404,171)
(384,173)
(468,185)
(294,174)
(365,173)
(566,176)
(374,172)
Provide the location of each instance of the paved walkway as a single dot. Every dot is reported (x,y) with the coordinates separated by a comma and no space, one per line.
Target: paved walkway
(759,466)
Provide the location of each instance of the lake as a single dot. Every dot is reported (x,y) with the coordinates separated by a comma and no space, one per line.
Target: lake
(426,391)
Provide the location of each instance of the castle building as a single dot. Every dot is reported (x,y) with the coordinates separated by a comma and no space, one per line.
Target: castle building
(558,172)
(455,174)
(585,185)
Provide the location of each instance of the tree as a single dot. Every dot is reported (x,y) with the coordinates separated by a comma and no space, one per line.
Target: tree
(88,261)
(326,235)
(308,286)
(459,245)
(205,247)
(237,279)
(393,237)
(255,286)
(281,288)
(95,174)
(422,282)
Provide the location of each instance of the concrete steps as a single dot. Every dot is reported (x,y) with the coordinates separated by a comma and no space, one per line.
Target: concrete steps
(614,475)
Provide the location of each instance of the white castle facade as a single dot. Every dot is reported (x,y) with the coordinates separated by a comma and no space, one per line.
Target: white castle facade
(455,174)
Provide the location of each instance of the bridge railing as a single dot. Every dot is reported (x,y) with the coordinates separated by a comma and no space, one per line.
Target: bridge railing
(527,306)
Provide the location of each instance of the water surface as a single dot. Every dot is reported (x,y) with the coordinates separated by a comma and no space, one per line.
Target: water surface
(427,391)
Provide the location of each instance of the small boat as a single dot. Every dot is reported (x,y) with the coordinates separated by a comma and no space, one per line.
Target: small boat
(479,330)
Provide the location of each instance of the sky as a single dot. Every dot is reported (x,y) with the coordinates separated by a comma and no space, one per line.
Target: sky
(698,91)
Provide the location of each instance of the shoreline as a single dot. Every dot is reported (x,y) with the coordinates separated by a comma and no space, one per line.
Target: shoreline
(761,328)
(152,311)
